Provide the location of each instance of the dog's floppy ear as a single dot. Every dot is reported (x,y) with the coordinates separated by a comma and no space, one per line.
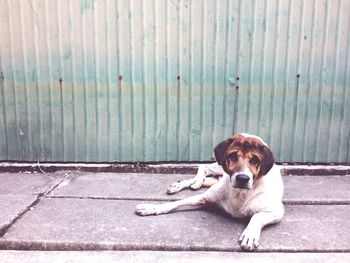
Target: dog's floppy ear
(220,150)
(267,161)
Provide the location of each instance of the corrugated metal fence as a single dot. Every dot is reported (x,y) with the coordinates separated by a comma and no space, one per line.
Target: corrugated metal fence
(167,80)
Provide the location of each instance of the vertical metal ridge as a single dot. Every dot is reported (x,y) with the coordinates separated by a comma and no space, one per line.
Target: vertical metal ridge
(285,82)
(307,93)
(49,66)
(215,52)
(85,106)
(190,84)
(119,83)
(155,74)
(61,81)
(348,82)
(251,63)
(262,66)
(283,86)
(300,42)
(334,73)
(301,76)
(6,150)
(179,80)
(309,81)
(13,77)
(108,82)
(319,93)
(4,113)
(274,68)
(203,62)
(262,75)
(225,94)
(277,93)
(296,95)
(132,86)
(202,67)
(143,82)
(321,87)
(238,65)
(346,94)
(27,120)
(225,86)
(167,85)
(73,62)
(96,84)
(40,155)
(178,66)
(85,88)
(238,61)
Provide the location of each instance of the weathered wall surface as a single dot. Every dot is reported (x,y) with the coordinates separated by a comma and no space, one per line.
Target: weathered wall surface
(166,80)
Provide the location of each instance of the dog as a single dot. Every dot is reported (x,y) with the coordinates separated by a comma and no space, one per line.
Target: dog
(244,181)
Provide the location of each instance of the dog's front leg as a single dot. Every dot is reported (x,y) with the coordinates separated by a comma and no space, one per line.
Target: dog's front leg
(249,239)
(192,202)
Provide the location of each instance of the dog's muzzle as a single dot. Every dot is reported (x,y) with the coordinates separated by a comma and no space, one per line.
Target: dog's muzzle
(241,179)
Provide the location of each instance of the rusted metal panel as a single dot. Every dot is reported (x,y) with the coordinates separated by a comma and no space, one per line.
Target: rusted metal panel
(166,80)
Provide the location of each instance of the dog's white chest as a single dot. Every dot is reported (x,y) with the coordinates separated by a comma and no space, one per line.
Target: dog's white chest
(236,205)
(232,201)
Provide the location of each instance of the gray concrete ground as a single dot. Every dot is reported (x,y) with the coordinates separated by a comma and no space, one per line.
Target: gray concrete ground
(71,216)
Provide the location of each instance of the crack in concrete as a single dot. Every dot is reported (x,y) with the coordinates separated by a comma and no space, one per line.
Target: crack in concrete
(31,206)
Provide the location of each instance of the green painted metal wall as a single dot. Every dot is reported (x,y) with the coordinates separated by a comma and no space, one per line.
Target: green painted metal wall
(165,80)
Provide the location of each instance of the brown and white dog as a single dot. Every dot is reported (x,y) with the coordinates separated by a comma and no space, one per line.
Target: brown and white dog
(244,182)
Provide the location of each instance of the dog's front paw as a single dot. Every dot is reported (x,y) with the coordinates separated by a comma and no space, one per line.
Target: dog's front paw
(146,209)
(249,239)
(197,183)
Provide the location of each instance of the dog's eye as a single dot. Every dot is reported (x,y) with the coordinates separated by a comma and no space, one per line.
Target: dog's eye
(255,160)
(233,157)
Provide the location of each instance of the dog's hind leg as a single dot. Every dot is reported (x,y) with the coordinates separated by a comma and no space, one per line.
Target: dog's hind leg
(209,181)
(179,186)
(199,180)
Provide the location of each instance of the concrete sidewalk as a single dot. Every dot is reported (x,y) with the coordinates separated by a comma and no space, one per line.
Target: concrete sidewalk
(74,211)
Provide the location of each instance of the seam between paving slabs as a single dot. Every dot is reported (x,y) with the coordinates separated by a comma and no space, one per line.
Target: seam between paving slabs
(4,229)
(52,246)
(141,199)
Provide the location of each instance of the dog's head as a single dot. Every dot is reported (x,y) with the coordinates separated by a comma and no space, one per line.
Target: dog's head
(245,158)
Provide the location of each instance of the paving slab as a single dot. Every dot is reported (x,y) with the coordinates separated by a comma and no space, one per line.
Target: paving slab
(28,183)
(298,189)
(166,256)
(18,191)
(12,206)
(122,186)
(317,189)
(90,224)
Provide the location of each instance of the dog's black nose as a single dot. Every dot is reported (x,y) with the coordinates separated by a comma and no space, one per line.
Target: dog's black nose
(242,179)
